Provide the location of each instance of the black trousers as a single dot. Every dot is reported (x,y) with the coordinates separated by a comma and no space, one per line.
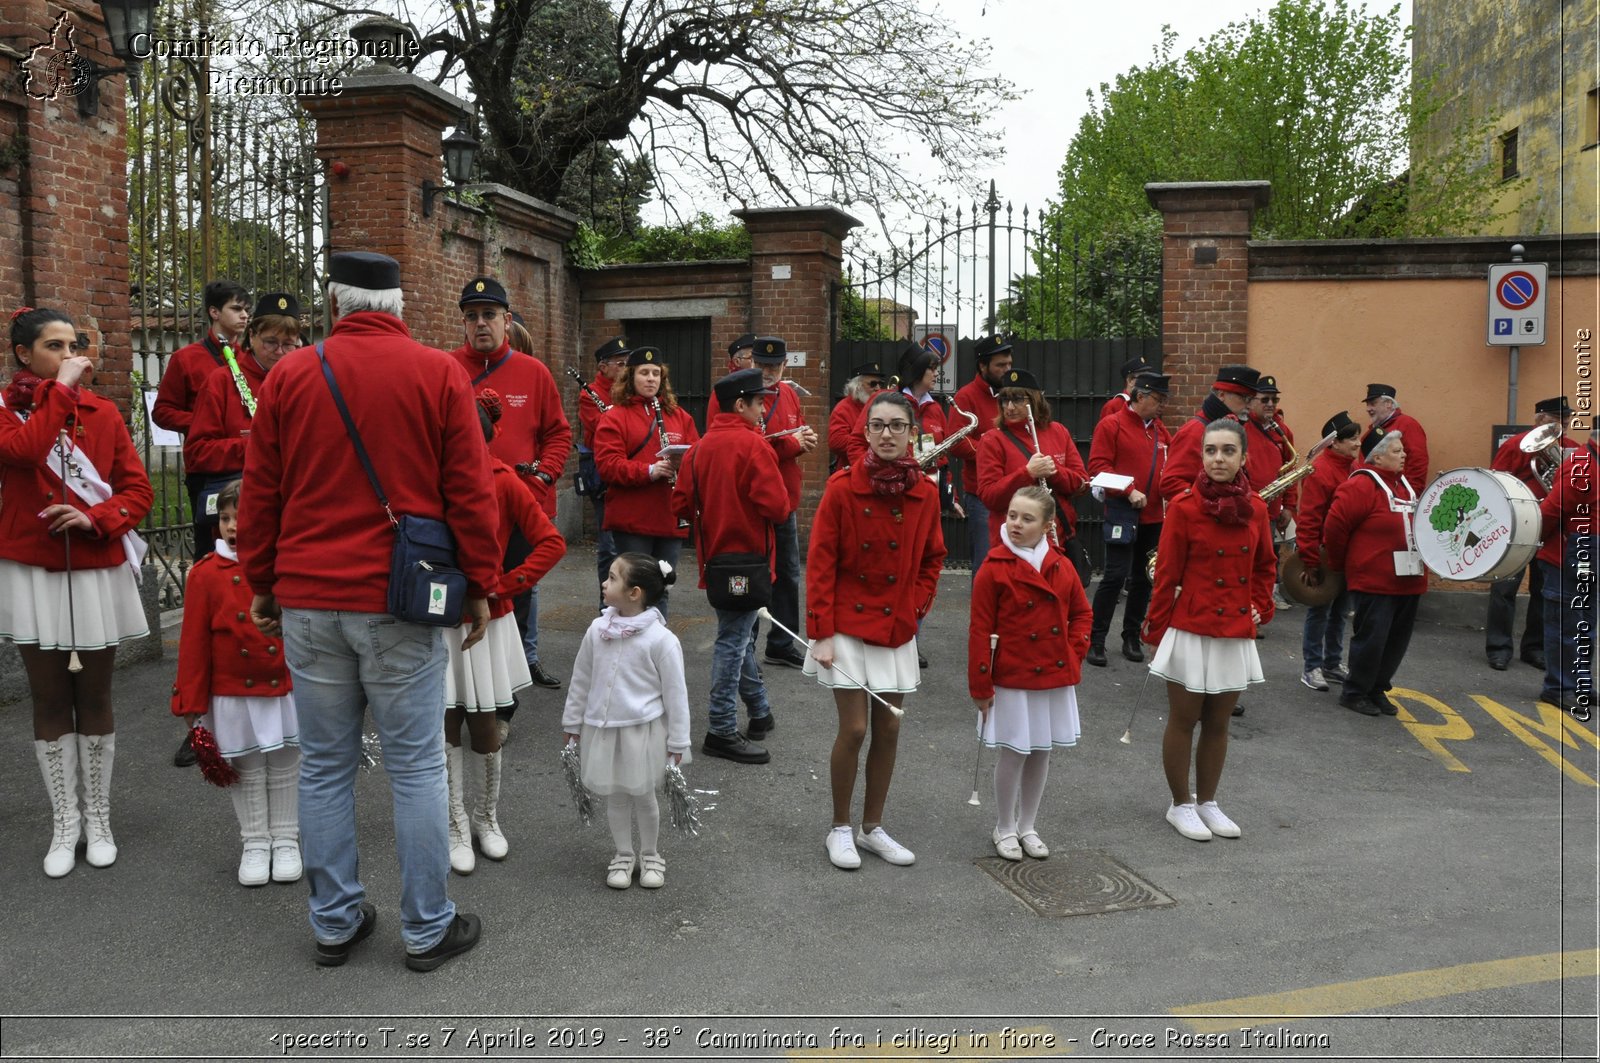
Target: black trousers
(1378,642)
(523,606)
(205,528)
(1498,637)
(1125,563)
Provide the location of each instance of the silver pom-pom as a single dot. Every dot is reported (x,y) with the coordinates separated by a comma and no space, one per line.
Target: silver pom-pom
(371,750)
(572,768)
(684,803)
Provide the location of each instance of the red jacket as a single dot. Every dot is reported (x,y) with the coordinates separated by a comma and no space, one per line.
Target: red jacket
(588,412)
(1361,534)
(978,399)
(1573,504)
(1117,402)
(841,427)
(1042,617)
(1264,456)
(533,424)
(780,412)
(930,422)
(26,488)
(1126,445)
(518,508)
(1003,468)
(1209,574)
(221,424)
(1416,444)
(729,488)
(626,444)
(312,530)
(181,380)
(874,563)
(221,651)
(1316,495)
(1510,458)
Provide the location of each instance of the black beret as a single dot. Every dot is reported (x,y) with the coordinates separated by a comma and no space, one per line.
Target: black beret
(1370,440)
(1379,391)
(990,346)
(279,304)
(611,348)
(1019,378)
(739,385)
(646,356)
(364,269)
(769,350)
(484,290)
(1557,406)
(1342,424)
(743,342)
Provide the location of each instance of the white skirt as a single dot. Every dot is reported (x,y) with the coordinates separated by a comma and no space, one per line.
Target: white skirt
(251,724)
(1030,721)
(487,676)
(881,668)
(624,760)
(106,609)
(1206,665)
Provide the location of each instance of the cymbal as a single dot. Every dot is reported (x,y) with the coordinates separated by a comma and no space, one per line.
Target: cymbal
(1292,568)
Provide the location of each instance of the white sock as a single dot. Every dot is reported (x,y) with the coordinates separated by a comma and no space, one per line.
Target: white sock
(1035,770)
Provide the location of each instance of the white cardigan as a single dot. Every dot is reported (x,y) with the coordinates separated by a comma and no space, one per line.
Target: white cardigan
(622,682)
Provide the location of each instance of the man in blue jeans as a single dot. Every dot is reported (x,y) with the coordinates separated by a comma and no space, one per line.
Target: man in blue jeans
(1569,563)
(729,487)
(316,551)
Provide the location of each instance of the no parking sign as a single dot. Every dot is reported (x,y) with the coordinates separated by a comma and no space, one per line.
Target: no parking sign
(1516,303)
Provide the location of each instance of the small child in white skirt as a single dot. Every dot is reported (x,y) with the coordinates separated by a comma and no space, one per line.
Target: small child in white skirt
(1028,637)
(236,678)
(628,710)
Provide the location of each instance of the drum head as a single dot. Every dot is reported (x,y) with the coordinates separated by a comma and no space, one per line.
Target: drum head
(1292,568)
(1476,524)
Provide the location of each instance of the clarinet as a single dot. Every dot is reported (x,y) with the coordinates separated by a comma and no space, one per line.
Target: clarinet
(587,390)
(661,432)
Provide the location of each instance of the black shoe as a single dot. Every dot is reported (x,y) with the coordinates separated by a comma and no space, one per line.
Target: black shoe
(1535,658)
(1359,703)
(462,934)
(335,955)
(1238,709)
(1385,706)
(184,757)
(1499,663)
(788,657)
(542,677)
(922,662)
(1131,650)
(760,726)
(1096,655)
(735,747)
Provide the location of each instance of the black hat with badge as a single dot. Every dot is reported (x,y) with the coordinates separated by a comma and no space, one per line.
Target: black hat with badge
(615,347)
(367,270)
(1159,383)
(1341,424)
(1556,407)
(1266,385)
(1239,379)
(866,369)
(769,350)
(743,384)
(990,346)
(276,304)
(743,343)
(484,290)
(1371,440)
(1019,378)
(1379,391)
(645,356)
(1136,367)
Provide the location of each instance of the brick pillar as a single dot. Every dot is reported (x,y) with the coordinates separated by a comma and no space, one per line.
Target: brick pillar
(795,256)
(64,186)
(1204,281)
(385,128)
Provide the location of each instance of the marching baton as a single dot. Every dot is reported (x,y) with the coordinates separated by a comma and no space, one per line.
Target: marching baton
(73,664)
(994,641)
(1126,738)
(897,710)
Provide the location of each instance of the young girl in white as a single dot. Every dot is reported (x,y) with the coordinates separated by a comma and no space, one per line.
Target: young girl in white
(229,669)
(628,708)
(1024,679)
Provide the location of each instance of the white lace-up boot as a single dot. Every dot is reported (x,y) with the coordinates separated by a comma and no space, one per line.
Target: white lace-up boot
(58,761)
(96,756)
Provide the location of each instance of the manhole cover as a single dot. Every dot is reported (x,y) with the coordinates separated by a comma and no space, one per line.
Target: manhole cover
(1080,882)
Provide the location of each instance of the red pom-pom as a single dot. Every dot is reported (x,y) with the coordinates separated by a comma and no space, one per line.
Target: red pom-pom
(489,399)
(213,765)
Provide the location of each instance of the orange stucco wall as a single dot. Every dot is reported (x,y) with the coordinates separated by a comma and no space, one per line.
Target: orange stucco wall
(1325,340)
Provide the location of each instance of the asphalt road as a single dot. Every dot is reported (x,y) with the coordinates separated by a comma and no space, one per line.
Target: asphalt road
(1422,886)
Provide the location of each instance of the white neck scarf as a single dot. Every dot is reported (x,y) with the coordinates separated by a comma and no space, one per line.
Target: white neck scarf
(613,625)
(1033,555)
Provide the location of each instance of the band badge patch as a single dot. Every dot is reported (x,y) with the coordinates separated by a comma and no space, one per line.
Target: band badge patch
(478,287)
(739,585)
(283,304)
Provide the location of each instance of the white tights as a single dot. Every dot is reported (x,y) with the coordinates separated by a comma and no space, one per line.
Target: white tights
(622,810)
(1019,788)
(279,759)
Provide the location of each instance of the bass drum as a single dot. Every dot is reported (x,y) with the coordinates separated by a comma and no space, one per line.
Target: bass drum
(1477,524)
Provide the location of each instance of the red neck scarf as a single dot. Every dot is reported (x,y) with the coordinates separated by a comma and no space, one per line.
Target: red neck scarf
(1226,503)
(891,478)
(19,393)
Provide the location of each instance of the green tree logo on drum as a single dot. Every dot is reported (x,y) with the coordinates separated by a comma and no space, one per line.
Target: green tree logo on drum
(1454,508)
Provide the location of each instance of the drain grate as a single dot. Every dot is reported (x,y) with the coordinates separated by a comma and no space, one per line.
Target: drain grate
(1081,882)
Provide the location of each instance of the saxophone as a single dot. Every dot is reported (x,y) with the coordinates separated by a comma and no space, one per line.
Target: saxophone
(930,458)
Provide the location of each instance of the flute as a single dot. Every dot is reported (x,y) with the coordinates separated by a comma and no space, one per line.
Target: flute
(1044,481)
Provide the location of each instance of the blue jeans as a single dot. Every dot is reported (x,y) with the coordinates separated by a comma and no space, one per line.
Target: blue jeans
(977,528)
(659,547)
(346,665)
(785,607)
(1322,643)
(733,667)
(1569,626)
(605,549)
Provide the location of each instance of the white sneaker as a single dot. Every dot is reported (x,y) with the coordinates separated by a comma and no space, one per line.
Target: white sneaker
(841,845)
(286,865)
(255,865)
(1313,678)
(1186,821)
(1218,823)
(880,844)
(619,873)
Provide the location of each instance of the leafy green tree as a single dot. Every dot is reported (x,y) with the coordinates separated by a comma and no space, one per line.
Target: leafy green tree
(1452,508)
(701,240)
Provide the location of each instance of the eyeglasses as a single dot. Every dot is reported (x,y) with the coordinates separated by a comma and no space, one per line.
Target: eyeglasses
(894,428)
(268,343)
(744,359)
(1013,400)
(470,316)
(873,385)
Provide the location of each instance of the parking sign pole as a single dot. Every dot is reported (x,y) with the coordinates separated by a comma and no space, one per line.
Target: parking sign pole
(1516,355)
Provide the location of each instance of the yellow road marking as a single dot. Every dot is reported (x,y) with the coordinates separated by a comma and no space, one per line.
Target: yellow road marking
(1025,1042)
(1371,994)
(1553,723)
(1434,735)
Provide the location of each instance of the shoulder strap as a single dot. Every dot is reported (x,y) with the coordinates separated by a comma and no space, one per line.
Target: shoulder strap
(1019,444)
(481,377)
(355,437)
(655,422)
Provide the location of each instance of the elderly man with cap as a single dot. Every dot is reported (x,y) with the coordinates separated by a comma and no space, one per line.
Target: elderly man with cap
(535,436)
(781,413)
(1383,413)
(611,363)
(1131,371)
(316,551)
(741,353)
(731,491)
(866,380)
(1132,442)
(980,397)
(1568,515)
(1510,458)
(1229,396)
(1322,640)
